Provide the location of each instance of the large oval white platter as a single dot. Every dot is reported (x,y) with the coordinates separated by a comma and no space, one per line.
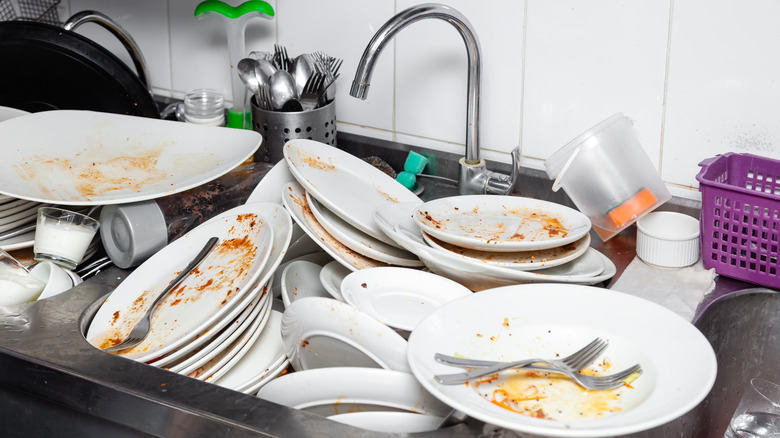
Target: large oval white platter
(345,184)
(91,158)
(223,277)
(501,223)
(542,320)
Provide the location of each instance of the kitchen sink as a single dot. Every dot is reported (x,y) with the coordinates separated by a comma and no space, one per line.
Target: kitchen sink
(54,381)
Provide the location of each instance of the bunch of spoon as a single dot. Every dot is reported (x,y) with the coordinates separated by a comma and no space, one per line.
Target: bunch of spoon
(281,83)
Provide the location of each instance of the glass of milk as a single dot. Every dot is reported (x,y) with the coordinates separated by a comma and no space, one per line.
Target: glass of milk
(16,284)
(63,236)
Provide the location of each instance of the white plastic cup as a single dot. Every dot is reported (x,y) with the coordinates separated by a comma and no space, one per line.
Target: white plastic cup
(668,239)
(63,236)
(16,284)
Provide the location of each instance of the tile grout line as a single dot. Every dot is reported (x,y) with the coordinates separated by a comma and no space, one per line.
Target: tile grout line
(666,90)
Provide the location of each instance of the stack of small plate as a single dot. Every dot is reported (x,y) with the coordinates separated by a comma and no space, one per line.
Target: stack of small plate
(220,315)
(332,199)
(485,241)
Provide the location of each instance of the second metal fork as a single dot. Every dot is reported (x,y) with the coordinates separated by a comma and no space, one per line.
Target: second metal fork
(573,363)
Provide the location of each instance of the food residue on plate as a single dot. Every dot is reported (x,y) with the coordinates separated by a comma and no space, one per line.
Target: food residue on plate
(512,225)
(551,396)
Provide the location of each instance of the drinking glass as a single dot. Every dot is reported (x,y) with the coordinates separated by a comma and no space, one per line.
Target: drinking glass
(758,413)
(16,284)
(63,236)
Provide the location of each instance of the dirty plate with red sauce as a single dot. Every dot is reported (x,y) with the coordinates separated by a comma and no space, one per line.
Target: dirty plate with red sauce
(501,223)
(521,260)
(229,272)
(346,185)
(91,158)
(554,320)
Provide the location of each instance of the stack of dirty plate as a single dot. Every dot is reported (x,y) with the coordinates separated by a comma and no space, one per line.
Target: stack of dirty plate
(17,221)
(333,199)
(485,241)
(217,325)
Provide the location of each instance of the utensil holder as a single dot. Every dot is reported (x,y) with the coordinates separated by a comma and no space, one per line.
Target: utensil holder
(277,128)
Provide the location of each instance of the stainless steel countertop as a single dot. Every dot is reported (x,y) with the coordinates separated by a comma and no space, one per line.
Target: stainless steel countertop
(54,381)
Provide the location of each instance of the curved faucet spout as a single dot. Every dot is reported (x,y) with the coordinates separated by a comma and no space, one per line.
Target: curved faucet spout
(416,13)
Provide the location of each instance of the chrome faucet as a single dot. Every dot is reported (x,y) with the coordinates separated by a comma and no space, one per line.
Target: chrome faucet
(473,176)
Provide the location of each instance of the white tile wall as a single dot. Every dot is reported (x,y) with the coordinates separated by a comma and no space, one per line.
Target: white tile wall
(698,76)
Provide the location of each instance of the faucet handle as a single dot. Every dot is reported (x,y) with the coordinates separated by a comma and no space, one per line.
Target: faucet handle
(501,184)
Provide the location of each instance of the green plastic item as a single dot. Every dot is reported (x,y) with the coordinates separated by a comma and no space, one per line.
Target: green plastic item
(415,163)
(235,19)
(234,11)
(407,179)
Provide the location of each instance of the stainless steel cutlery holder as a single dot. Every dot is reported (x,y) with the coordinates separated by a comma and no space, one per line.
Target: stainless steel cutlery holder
(277,128)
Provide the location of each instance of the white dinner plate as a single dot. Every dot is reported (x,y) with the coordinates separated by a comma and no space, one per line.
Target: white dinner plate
(294,199)
(548,320)
(14,214)
(359,241)
(6,112)
(14,205)
(301,279)
(389,422)
(24,240)
(501,223)
(331,277)
(91,158)
(399,297)
(523,260)
(340,387)
(396,220)
(269,189)
(265,356)
(223,339)
(229,357)
(18,222)
(323,332)
(204,340)
(345,184)
(272,373)
(229,271)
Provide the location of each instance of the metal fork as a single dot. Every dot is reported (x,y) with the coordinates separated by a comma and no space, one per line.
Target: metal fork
(310,96)
(572,363)
(142,327)
(598,383)
(263,97)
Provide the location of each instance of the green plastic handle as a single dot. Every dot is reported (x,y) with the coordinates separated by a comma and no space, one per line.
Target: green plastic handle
(225,9)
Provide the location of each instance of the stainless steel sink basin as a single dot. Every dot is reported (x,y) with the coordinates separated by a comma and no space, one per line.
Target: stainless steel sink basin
(52,380)
(744,329)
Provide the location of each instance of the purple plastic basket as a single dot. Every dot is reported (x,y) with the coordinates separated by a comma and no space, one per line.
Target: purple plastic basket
(740,217)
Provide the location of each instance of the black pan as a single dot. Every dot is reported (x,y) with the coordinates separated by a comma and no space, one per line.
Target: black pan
(44,67)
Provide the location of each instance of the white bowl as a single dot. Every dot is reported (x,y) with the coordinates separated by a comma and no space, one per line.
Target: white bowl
(668,239)
(57,279)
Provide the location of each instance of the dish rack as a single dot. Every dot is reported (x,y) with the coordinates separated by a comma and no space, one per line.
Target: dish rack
(740,217)
(43,11)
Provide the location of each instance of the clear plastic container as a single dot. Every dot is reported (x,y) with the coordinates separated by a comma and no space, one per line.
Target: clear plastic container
(609,177)
(204,107)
